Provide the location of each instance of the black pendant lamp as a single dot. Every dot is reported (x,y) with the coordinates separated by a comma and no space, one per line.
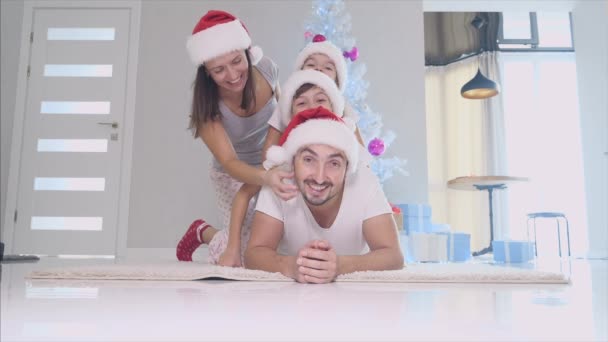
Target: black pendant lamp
(479,87)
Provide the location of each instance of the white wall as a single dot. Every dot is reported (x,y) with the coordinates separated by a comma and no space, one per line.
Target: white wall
(591,45)
(11,15)
(390,38)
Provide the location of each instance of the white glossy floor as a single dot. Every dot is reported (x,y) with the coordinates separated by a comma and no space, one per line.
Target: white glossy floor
(55,310)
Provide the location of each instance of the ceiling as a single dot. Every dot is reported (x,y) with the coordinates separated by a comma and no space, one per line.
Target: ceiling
(499,5)
(450,36)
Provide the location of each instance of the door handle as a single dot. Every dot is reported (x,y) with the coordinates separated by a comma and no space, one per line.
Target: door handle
(113,124)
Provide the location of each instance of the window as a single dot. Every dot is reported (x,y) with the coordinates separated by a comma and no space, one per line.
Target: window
(543,31)
(543,143)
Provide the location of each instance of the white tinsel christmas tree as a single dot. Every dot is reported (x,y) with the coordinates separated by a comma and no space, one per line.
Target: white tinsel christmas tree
(330,19)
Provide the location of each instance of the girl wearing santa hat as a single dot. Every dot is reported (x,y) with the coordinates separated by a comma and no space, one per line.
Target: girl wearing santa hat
(233,98)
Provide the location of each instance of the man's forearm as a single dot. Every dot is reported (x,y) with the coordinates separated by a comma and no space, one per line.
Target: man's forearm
(378,260)
(266,259)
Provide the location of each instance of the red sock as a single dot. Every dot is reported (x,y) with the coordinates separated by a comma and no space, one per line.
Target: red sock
(191,240)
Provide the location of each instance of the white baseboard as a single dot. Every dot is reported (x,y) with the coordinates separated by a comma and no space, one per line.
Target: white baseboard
(163,254)
(598,254)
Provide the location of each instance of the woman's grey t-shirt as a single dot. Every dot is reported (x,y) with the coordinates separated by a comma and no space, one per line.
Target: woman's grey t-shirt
(248,134)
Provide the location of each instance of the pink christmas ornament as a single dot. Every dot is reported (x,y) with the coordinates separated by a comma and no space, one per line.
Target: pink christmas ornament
(307,34)
(353,54)
(376,147)
(319,38)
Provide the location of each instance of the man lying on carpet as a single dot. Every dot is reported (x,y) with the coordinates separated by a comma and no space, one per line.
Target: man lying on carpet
(340,222)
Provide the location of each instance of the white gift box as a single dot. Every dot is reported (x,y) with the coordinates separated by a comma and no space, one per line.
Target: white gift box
(428,247)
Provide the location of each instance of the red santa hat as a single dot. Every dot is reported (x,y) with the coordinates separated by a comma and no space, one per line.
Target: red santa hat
(327,48)
(218,33)
(298,79)
(314,126)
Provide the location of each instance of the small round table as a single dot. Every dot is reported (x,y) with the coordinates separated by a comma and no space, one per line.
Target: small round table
(489,183)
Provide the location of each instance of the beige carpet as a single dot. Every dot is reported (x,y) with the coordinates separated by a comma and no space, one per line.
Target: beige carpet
(414,273)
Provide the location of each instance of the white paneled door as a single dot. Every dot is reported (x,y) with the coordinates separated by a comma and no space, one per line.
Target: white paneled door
(72,142)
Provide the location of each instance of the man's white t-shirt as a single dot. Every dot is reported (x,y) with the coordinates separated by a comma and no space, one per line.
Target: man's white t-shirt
(363,199)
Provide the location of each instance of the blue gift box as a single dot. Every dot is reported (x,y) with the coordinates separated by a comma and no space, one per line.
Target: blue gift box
(415,209)
(458,246)
(416,217)
(418,224)
(512,251)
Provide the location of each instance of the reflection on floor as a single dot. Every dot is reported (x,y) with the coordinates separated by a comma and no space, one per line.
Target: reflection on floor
(73,310)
